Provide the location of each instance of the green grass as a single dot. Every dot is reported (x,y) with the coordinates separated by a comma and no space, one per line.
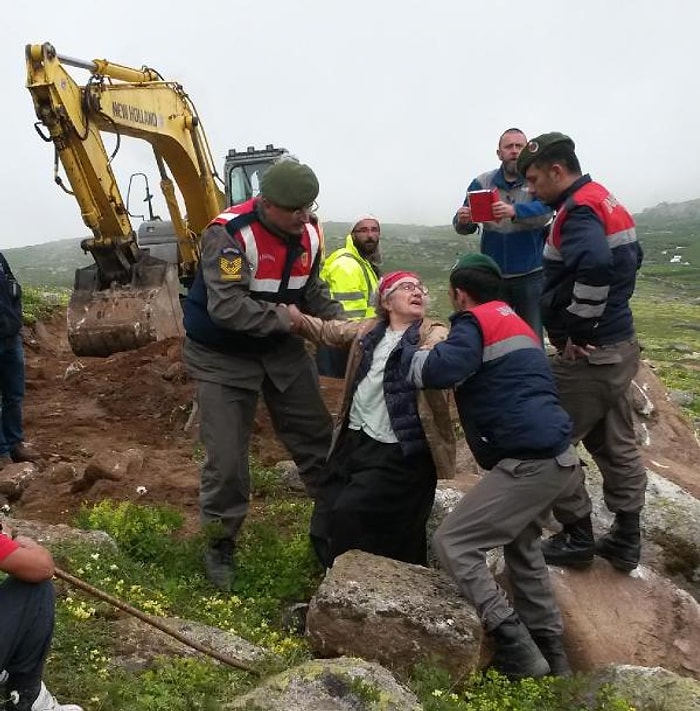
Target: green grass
(491,691)
(39,303)
(160,572)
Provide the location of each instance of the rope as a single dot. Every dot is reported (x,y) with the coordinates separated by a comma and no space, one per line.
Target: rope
(154,622)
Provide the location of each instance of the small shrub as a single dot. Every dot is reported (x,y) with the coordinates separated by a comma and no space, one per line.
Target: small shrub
(142,532)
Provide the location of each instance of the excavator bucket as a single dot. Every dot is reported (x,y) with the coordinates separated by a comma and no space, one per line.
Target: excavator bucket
(124,316)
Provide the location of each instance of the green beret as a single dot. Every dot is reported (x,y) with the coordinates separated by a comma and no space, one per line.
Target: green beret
(538,146)
(289,184)
(476,260)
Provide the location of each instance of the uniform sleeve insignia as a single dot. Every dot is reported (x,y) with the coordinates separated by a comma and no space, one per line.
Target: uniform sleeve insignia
(230,269)
(229,251)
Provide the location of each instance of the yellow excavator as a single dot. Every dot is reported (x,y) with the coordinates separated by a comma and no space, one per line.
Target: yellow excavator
(130,297)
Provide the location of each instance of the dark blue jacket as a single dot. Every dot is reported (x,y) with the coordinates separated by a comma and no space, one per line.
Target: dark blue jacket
(590,266)
(10,301)
(506,396)
(399,394)
(515,245)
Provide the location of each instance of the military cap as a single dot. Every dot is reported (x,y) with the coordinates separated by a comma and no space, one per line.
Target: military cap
(476,260)
(538,146)
(289,184)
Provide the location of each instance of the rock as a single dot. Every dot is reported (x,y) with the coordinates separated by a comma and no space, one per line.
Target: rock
(669,440)
(50,535)
(446,498)
(15,478)
(613,618)
(61,472)
(681,397)
(330,685)
(651,689)
(73,369)
(175,372)
(288,473)
(138,644)
(670,519)
(109,465)
(393,613)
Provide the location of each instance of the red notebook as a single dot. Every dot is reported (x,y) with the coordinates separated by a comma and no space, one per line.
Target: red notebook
(481,204)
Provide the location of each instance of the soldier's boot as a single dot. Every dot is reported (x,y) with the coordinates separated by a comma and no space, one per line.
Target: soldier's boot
(573,547)
(218,560)
(516,655)
(622,545)
(553,651)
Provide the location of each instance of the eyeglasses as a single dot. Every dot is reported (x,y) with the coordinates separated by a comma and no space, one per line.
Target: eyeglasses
(411,286)
(312,207)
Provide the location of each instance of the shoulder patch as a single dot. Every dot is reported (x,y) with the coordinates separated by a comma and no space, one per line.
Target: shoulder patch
(230,265)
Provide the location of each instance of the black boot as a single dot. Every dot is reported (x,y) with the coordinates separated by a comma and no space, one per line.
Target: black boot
(574,547)
(218,561)
(516,655)
(622,545)
(553,651)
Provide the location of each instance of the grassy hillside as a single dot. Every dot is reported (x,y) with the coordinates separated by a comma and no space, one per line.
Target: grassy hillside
(51,264)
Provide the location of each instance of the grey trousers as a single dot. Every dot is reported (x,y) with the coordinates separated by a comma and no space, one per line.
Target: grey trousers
(26,629)
(506,508)
(595,393)
(301,421)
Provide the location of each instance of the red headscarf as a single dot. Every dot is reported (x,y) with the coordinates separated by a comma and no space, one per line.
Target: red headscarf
(390,280)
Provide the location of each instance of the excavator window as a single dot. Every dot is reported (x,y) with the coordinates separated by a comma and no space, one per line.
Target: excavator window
(244,181)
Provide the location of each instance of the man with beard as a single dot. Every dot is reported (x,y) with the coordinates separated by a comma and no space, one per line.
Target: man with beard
(515,238)
(352,274)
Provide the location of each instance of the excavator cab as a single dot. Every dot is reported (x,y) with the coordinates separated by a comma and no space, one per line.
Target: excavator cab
(243,171)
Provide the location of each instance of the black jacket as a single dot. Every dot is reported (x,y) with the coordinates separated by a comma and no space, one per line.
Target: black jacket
(10,301)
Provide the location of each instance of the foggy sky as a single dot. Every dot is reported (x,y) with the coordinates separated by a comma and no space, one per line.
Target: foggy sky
(395,105)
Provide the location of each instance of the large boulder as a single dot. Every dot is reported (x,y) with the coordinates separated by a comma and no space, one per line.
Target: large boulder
(670,525)
(51,535)
(641,619)
(651,689)
(394,613)
(330,685)
(138,645)
(669,445)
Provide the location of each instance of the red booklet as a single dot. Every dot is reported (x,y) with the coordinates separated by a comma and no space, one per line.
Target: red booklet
(481,204)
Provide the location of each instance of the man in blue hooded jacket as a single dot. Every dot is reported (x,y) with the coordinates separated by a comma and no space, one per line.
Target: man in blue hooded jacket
(515,239)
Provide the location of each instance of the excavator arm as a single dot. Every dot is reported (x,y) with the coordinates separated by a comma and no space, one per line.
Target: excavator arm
(113,298)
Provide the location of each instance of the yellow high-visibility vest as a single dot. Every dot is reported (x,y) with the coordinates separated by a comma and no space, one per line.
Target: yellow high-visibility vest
(351,280)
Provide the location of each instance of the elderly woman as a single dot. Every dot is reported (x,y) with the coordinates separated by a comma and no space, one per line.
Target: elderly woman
(392,442)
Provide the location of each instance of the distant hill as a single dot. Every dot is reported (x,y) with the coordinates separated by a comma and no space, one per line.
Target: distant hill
(48,264)
(671,212)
